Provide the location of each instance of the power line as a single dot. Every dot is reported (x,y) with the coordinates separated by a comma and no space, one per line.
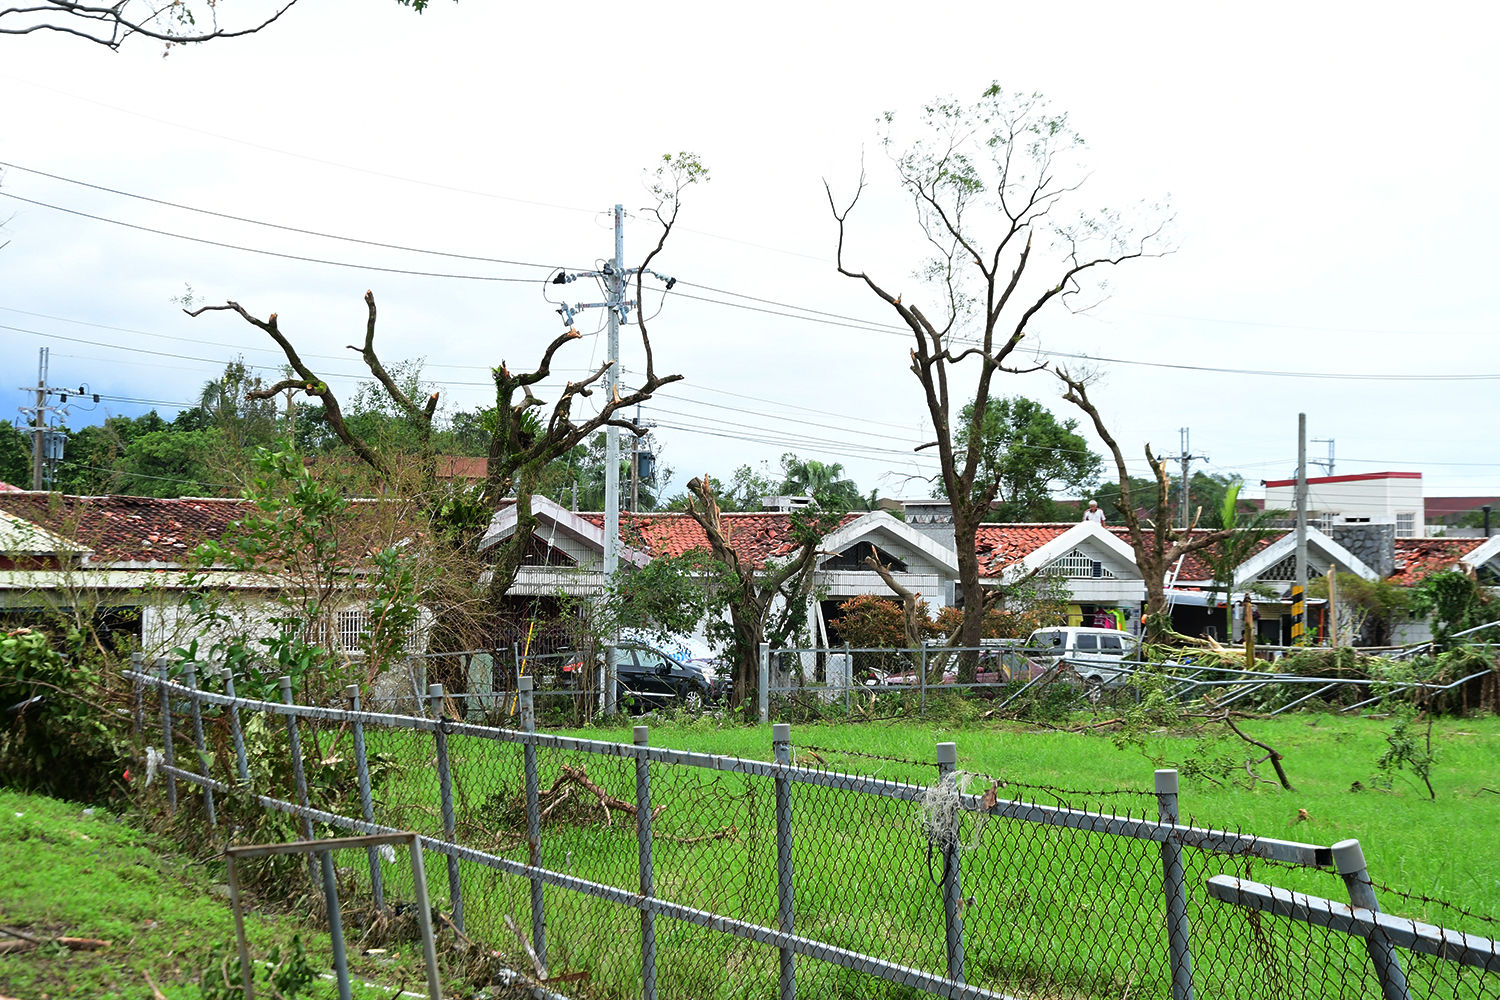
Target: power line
(269,253)
(273,225)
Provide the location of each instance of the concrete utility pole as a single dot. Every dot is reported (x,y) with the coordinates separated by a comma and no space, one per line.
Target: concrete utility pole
(1327,465)
(1185,459)
(616,306)
(40,424)
(1299,592)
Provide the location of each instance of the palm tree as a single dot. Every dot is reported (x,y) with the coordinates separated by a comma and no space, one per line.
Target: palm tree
(823,481)
(1227,555)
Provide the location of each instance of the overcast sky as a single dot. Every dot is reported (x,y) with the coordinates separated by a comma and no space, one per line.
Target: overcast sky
(1331,171)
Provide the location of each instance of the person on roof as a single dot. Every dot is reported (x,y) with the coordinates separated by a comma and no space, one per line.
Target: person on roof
(1094,513)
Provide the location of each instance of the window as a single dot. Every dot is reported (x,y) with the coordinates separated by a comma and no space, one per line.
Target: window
(353,622)
(1110,643)
(1079,565)
(1406,525)
(1088,643)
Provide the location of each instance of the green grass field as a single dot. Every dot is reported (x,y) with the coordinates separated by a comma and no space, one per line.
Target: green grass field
(83,873)
(1050,911)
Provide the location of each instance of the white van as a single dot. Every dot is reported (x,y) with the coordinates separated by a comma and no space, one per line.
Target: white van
(1093,653)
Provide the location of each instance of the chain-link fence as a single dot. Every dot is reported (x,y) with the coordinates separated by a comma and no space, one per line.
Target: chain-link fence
(614,870)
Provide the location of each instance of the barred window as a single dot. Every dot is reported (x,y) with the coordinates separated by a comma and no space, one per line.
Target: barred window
(1406,525)
(1079,565)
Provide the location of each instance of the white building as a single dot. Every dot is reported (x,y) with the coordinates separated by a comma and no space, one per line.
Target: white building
(1372,498)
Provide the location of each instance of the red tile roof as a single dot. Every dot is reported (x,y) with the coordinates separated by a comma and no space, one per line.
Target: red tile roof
(1418,558)
(755,537)
(128,529)
(1000,545)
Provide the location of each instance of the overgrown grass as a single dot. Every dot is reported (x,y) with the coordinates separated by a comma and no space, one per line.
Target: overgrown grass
(77,872)
(1065,912)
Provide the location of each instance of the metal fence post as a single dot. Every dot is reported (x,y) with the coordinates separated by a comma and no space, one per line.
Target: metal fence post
(610,695)
(335,923)
(424,918)
(953,921)
(781,744)
(138,700)
(169,755)
(285,684)
(1349,860)
(642,736)
(922,679)
(240,761)
(445,789)
(533,820)
(366,802)
(191,676)
(763,695)
(1174,884)
(849,682)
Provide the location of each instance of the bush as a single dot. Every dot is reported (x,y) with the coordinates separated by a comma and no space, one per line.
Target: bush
(61,735)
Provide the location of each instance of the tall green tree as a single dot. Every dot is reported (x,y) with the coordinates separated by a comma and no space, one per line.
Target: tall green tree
(995,187)
(15,455)
(1027,455)
(824,482)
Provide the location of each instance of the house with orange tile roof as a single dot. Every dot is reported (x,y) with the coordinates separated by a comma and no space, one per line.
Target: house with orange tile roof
(125,563)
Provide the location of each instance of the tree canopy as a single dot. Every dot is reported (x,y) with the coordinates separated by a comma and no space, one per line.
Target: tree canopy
(1027,457)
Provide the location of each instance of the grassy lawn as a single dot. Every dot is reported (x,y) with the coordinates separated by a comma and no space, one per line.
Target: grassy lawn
(76,872)
(1065,913)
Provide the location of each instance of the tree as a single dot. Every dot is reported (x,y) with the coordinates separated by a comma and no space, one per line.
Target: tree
(1248,529)
(990,183)
(824,482)
(763,605)
(1027,455)
(1158,544)
(522,443)
(15,455)
(181,22)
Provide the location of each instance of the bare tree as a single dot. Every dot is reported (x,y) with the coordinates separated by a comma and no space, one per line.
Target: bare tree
(989,183)
(524,440)
(765,604)
(180,22)
(1157,544)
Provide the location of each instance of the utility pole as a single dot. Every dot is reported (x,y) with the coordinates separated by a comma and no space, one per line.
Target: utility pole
(1299,590)
(1185,459)
(1328,465)
(616,276)
(40,424)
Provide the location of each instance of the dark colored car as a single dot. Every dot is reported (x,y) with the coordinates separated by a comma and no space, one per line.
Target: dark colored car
(651,679)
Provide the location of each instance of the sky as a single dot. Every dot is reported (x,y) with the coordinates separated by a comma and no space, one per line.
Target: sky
(1330,172)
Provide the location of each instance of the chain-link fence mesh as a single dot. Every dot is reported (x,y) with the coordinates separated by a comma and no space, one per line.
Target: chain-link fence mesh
(1059,892)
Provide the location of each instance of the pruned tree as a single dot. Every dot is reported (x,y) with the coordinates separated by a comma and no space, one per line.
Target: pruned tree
(181,22)
(990,183)
(765,604)
(528,433)
(1157,544)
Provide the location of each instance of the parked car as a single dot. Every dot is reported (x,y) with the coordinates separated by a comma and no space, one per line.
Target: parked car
(650,679)
(1094,654)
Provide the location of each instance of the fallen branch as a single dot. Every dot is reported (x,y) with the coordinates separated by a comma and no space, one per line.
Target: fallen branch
(536,962)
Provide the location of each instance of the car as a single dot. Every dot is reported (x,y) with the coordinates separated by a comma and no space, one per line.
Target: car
(1094,654)
(649,678)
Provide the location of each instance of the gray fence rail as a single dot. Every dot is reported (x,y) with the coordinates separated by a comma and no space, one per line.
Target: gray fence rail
(646,871)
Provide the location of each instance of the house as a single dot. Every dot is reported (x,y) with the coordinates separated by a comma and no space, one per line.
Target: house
(124,566)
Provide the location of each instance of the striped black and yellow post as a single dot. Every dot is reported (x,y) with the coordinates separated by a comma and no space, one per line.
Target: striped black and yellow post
(1299,615)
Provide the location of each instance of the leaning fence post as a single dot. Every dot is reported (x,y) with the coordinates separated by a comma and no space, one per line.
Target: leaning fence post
(848,681)
(1174,884)
(295,743)
(335,923)
(191,675)
(1349,859)
(366,802)
(533,820)
(953,921)
(642,736)
(445,788)
(234,728)
(763,695)
(781,744)
(168,754)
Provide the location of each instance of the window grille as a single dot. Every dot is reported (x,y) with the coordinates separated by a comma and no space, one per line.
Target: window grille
(1079,565)
(1406,525)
